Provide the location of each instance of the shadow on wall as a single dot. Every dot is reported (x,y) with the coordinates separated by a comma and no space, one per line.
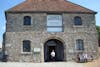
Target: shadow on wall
(3,57)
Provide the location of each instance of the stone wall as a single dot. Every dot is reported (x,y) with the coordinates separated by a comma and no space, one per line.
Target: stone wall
(16,32)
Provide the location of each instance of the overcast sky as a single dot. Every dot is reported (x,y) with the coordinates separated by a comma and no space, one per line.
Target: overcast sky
(6,4)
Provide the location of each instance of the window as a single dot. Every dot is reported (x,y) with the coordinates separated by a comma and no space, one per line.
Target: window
(26,46)
(79,44)
(27,20)
(54,23)
(77,20)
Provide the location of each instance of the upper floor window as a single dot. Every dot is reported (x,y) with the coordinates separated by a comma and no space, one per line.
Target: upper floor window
(79,44)
(54,23)
(77,20)
(26,46)
(27,20)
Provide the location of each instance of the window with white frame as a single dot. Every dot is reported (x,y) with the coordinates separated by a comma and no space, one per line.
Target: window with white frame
(54,23)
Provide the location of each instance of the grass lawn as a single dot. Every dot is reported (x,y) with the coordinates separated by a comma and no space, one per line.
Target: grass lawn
(99,51)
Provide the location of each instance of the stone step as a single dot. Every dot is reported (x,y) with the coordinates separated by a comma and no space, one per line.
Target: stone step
(49,64)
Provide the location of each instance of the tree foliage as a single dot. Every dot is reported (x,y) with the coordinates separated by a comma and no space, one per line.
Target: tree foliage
(98,31)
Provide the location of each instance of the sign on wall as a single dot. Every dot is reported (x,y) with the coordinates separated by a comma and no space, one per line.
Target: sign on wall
(37,50)
(54,23)
(54,20)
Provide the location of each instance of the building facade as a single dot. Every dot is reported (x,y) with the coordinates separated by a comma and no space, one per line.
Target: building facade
(36,27)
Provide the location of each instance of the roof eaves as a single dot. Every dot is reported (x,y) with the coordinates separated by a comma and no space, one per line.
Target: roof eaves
(50,12)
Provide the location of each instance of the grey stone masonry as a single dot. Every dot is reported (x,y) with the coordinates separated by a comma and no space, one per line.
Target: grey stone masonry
(37,33)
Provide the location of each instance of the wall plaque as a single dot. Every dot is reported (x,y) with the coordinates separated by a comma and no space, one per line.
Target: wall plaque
(54,20)
(37,50)
(71,51)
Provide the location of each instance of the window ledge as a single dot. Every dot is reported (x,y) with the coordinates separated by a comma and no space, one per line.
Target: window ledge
(27,25)
(79,50)
(26,52)
(78,26)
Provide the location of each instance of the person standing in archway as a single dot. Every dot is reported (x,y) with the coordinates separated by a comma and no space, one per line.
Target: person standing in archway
(53,55)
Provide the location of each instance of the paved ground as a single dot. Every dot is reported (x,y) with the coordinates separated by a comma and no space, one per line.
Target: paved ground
(95,63)
(59,64)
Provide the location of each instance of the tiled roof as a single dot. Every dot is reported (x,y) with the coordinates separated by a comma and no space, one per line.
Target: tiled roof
(49,6)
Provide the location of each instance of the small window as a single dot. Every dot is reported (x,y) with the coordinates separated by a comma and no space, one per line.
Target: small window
(79,44)
(77,20)
(27,20)
(54,23)
(26,46)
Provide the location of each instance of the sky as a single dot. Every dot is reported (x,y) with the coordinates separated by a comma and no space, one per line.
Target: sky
(6,4)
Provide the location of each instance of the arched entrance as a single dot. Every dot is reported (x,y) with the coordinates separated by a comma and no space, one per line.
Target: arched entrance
(57,46)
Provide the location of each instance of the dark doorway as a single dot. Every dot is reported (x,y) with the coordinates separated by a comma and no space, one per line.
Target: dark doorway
(50,48)
(56,46)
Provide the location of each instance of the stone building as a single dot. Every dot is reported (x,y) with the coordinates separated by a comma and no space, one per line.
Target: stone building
(36,27)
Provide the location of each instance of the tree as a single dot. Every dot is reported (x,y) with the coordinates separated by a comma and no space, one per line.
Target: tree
(98,31)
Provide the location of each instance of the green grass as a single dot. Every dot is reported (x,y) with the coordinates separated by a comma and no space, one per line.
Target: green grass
(99,51)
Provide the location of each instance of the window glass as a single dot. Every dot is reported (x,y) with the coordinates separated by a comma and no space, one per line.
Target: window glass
(77,21)
(26,46)
(27,20)
(59,29)
(79,44)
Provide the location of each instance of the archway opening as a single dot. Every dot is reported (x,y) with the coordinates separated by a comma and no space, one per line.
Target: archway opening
(53,51)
